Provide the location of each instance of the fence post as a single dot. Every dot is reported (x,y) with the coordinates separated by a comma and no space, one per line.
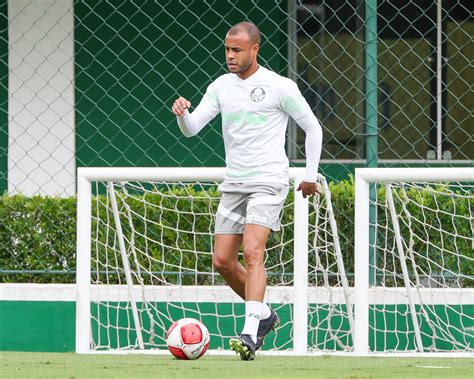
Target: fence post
(371,109)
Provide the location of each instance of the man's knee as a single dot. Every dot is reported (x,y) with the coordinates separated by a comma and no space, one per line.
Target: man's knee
(253,255)
(222,264)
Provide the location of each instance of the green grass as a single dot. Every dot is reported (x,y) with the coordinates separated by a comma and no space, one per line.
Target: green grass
(70,365)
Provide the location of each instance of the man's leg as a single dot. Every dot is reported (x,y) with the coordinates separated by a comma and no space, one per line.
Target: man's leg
(225,261)
(262,216)
(254,241)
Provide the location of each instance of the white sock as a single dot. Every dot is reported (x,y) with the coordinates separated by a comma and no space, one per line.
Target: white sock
(252,318)
(265,313)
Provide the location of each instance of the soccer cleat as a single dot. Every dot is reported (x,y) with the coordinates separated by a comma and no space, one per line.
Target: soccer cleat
(244,346)
(265,327)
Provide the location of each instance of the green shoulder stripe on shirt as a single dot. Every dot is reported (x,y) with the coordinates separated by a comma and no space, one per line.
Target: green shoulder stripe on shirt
(212,97)
(291,105)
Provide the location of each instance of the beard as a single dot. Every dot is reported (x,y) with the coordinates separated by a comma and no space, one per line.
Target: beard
(238,69)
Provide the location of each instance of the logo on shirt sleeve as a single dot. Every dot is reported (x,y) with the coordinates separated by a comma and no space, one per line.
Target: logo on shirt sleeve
(257,94)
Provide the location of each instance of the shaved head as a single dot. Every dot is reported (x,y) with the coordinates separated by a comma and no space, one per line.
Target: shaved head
(248,27)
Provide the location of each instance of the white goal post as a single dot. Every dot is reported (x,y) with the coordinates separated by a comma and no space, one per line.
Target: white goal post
(129,291)
(414,259)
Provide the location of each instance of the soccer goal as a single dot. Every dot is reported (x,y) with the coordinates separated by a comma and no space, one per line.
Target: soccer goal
(414,266)
(144,260)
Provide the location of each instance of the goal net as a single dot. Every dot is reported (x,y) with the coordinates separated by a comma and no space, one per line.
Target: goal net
(145,243)
(415,260)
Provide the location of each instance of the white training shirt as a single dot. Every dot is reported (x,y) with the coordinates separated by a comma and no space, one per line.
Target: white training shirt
(255,115)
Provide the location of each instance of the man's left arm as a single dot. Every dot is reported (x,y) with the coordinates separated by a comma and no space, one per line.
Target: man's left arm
(293,103)
(313,146)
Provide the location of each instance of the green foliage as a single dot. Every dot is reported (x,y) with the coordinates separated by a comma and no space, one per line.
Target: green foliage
(38,236)
(342,196)
(37,233)
(425,217)
(174,240)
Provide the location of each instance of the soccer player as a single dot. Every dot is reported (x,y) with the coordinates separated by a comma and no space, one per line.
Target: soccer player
(255,104)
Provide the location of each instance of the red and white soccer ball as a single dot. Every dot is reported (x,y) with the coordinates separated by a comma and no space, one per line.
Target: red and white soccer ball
(188,338)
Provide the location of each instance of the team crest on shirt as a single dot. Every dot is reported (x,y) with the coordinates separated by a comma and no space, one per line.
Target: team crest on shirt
(257,94)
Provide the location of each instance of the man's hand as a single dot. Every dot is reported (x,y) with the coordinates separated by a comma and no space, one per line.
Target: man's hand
(179,106)
(308,188)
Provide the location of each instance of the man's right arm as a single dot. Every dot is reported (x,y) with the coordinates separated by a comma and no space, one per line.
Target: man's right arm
(188,124)
(191,123)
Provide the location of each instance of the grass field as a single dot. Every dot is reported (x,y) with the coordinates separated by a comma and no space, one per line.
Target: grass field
(70,365)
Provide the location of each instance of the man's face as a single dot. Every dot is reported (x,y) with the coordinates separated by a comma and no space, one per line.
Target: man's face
(240,52)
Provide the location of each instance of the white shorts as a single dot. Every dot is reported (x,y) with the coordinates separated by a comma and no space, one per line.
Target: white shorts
(249,203)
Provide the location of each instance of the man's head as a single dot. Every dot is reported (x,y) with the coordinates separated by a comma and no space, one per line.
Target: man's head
(242,43)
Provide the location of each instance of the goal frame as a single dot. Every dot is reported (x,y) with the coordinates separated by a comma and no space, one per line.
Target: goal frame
(364,177)
(87,175)
(359,294)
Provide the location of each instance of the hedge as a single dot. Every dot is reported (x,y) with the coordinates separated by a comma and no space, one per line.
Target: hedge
(37,234)
(38,238)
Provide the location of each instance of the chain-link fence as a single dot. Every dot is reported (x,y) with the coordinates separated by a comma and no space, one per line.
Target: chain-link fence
(90,83)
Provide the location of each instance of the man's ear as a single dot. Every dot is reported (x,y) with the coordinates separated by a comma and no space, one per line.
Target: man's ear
(255,48)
